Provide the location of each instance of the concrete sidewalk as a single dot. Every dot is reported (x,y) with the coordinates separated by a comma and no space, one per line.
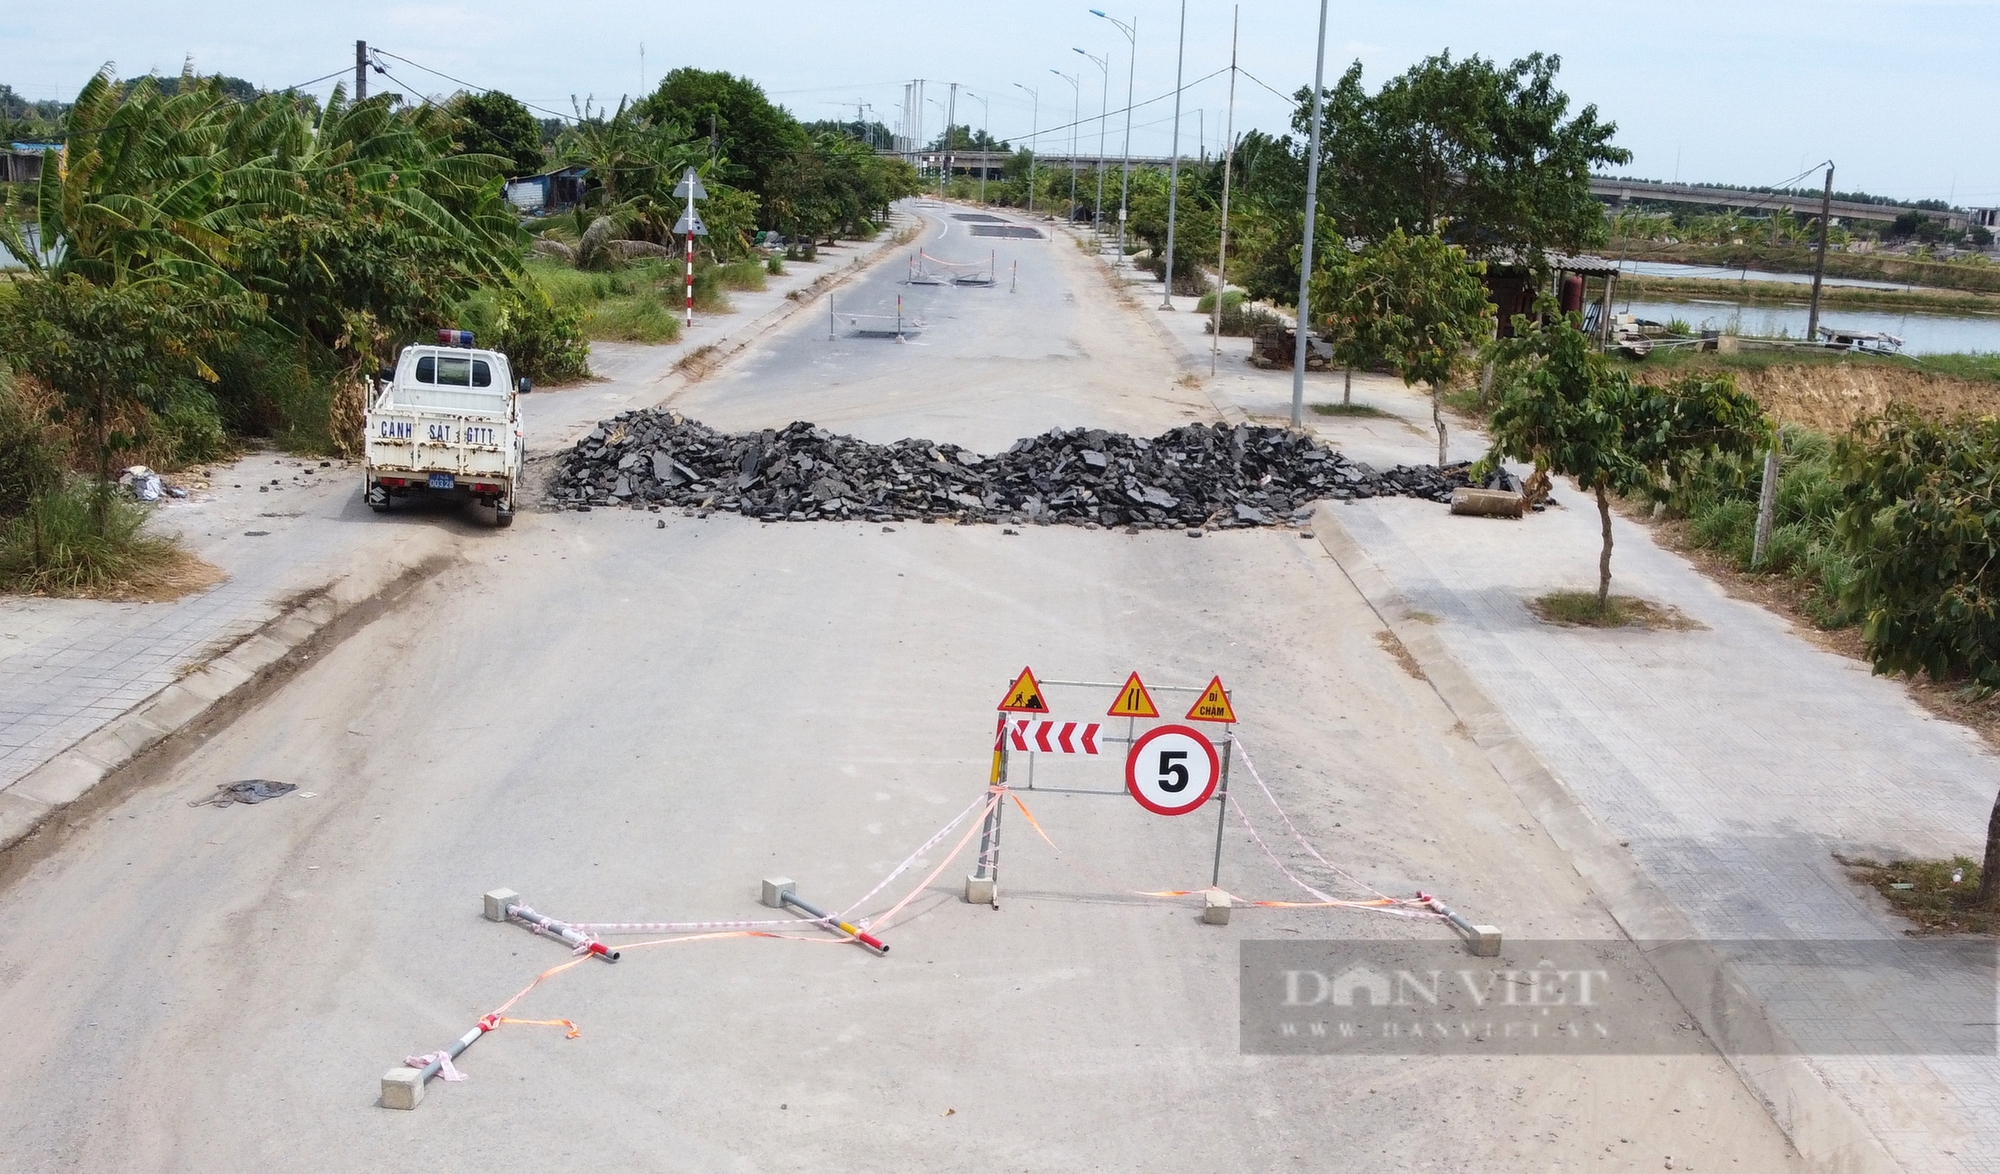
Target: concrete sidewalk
(288,531)
(1730,763)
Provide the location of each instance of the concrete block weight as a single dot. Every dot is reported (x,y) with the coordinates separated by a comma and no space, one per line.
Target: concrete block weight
(402,1088)
(775,888)
(497,902)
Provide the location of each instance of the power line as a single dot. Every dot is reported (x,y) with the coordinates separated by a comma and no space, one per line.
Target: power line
(1134,106)
(336,73)
(459,80)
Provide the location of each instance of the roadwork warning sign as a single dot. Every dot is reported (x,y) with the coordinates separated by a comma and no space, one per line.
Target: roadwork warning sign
(1213,705)
(1133,700)
(1026,695)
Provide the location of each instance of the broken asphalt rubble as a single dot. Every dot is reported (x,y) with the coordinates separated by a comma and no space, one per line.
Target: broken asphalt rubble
(1195,475)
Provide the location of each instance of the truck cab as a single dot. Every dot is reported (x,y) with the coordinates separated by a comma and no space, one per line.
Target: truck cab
(445,422)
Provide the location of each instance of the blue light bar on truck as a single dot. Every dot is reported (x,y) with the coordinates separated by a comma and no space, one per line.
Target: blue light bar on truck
(455,337)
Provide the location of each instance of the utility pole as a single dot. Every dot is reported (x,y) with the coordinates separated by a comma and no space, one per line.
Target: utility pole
(1312,208)
(1819,262)
(1131,32)
(1174,169)
(1034,142)
(1228,158)
(360,70)
(1103,65)
(950,137)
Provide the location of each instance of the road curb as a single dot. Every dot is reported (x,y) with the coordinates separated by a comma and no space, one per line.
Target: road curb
(1828,1132)
(120,749)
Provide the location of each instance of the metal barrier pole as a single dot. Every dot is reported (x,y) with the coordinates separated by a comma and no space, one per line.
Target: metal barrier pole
(980,888)
(1222,806)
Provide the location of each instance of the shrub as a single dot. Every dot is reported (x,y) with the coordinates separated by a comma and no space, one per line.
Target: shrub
(541,340)
(56,546)
(31,455)
(775,266)
(1921,519)
(1240,319)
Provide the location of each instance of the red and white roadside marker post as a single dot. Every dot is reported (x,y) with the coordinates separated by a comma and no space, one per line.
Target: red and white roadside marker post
(690,226)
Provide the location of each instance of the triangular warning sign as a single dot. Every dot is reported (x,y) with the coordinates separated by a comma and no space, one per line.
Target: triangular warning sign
(1213,705)
(1133,700)
(1026,695)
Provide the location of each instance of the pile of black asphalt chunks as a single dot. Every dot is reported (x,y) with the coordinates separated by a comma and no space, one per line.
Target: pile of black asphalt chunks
(1196,476)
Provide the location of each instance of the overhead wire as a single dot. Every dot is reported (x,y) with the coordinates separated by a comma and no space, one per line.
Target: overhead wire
(459,80)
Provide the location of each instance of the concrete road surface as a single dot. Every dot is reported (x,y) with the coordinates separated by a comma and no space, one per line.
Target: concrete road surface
(629,722)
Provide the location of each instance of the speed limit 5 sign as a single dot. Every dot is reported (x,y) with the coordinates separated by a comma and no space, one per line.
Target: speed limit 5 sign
(1171,770)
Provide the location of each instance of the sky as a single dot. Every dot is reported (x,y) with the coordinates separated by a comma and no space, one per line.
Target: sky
(1900,94)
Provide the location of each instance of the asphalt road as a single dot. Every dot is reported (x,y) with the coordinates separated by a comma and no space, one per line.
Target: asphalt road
(625,721)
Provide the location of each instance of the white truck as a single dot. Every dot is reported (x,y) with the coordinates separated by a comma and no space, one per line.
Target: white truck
(445,422)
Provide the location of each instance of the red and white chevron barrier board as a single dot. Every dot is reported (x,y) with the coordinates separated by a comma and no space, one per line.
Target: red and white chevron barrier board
(1050,737)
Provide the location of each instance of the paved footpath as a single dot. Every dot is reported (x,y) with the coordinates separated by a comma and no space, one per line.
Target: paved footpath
(1733,761)
(283,527)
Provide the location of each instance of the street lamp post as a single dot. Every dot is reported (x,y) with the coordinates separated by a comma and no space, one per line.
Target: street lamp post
(1103,65)
(985,121)
(1174,177)
(1306,247)
(1131,32)
(1075,89)
(1034,141)
(942,143)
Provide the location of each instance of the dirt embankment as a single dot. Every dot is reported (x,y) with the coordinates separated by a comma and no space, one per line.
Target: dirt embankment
(1831,398)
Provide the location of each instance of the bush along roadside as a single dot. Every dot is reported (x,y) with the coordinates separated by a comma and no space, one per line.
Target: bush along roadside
(1719,500)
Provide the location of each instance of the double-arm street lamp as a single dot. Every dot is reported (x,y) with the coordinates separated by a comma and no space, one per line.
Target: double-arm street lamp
(1103,65)
(1131,32)
(1075,89)
(985,121)
(1033,141)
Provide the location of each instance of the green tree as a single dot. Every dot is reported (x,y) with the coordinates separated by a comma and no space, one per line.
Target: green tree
(732,120)
(1921,516)
(493,123)
(1567,410)
(1417,302)
(108,348)
(964,138)
(1560,412)
(1484,156)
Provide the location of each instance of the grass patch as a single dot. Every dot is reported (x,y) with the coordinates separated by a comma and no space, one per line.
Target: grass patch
(1350,410)
(638,303)
(1924,892)
(1978,366)
(743,275)
(775,266)
(53,548)
(1578,609)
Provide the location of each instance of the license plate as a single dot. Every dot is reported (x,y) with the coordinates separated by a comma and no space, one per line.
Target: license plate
(443,481)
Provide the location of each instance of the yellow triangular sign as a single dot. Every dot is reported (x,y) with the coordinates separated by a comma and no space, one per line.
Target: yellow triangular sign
(1133,700)
(1026,695)
(1213,706)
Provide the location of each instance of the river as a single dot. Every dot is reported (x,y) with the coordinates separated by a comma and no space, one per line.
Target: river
(1718,273)
(1922,334)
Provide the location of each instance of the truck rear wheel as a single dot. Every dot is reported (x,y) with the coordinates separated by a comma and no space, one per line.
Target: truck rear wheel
(503,515)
